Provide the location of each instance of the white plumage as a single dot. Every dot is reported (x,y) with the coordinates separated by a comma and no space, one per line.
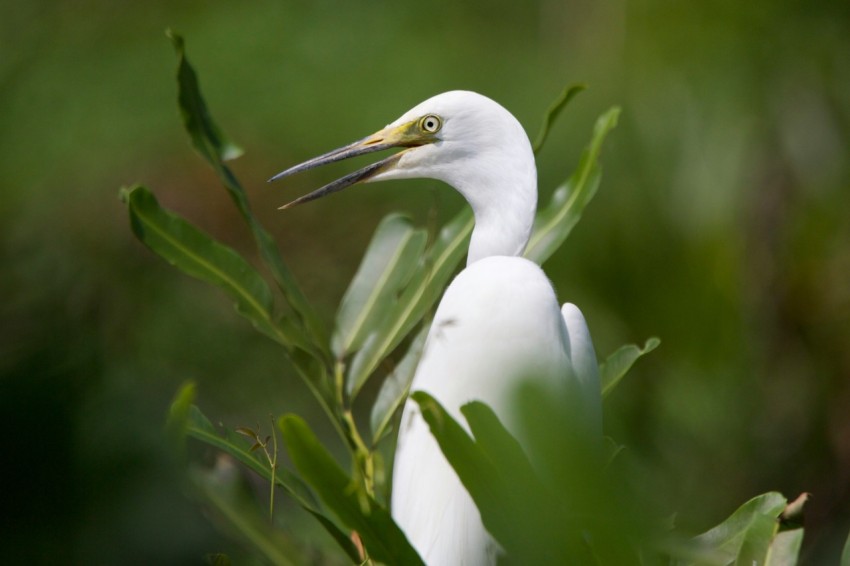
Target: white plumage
(499,322)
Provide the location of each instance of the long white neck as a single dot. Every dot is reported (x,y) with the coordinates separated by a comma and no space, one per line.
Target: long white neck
(503,197)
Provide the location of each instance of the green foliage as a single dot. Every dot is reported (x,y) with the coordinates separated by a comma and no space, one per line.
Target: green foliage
(386,268)
(208,139)
(753,534)
(615,366)
(235,508)
(552,114)
(346,497)
(555,222)
(199,255)
(580,509)
(581,513)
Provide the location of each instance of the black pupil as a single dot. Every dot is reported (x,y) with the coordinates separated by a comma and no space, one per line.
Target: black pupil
(430,124)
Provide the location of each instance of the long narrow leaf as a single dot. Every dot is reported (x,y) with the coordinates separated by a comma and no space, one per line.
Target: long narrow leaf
(235,504)
(515,506)
(746,533)
(421,293)
(200,428)
(199,255)
(208,139)
(552,113)
(386,268)
(394,389)
(226,440)
(615,366)
(785,548)
(382,538)
(554,223)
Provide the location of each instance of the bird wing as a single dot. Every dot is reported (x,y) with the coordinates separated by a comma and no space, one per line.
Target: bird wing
(585,367)
(498,325)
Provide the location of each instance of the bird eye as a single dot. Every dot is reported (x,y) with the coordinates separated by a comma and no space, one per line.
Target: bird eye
(430,124)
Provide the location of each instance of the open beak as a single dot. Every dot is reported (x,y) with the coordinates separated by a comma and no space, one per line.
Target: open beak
(407,135)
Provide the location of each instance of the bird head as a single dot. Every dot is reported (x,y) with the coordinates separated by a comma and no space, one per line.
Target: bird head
(458,137)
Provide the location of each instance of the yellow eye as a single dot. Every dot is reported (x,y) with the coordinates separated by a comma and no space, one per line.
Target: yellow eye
(430,124)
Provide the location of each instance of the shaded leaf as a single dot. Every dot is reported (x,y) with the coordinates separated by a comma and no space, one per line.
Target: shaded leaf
(215,148)
(235,445)
(554,223)
(745,536)
(845,554)
(785,548)
(395,387)
(206,137)
(501,481)
(549,500)
(199,255)
(179,411)
(386,268)
(382,538)
(615,367)
(552,113)
(423,290)
(222,487)
(218,559)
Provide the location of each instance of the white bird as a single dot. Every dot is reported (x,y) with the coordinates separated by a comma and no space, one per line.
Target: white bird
(498,323)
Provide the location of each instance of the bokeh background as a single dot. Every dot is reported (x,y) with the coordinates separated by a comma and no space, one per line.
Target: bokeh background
(721,226)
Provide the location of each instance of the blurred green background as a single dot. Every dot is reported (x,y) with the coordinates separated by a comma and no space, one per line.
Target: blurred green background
(721,226)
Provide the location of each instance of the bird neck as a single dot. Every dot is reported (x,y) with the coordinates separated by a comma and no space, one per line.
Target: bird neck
(504,213)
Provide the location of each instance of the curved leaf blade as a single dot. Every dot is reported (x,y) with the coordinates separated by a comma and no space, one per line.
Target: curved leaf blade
(386,268)
(395,387)
(234,503)
(383,539)
(197,254)
(206,137)
(552,113)
(554,223)
(230,442)
(745,536)
(615,366)
(425,287)
(216,148)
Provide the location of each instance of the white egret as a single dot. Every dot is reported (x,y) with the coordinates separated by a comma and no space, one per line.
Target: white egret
(499,321)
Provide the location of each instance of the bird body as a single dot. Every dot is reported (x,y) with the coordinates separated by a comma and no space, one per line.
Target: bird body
(498,324)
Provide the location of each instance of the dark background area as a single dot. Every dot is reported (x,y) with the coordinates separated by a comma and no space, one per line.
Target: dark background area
(721,226)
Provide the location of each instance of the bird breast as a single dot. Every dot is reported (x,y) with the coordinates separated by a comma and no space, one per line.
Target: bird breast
(497,325)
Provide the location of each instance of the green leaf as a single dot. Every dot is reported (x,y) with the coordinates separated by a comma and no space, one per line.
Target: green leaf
(745,536)
(785,548)
(845,554)
(499,477)
(235,444)
(552,113)
(215,148)
(479,475)
(199,255)
(548,500)
(178,414)
(615,367)
(231,498)
(382,538)
(395,387)
(386,268)
(207,138)
(554,223)
(425,287)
